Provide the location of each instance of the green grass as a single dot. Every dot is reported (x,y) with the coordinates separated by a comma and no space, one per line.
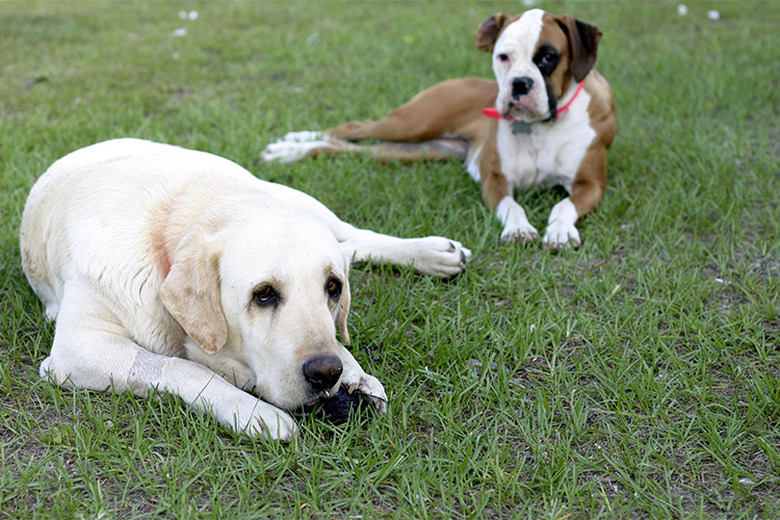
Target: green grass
(637,377)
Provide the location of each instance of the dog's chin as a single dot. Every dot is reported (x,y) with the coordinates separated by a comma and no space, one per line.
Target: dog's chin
(526,117)
(524,112)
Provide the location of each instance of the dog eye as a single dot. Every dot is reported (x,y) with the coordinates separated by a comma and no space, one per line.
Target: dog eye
(265,296)
(333,287)
(548,58)
(503,57)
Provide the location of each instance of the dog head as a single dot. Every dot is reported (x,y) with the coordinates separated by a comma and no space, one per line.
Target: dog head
(536,57)
(259,297)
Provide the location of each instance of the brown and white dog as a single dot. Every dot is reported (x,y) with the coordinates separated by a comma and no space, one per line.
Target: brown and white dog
(553,121)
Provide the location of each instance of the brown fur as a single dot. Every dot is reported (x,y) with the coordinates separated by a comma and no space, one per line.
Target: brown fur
(443,121)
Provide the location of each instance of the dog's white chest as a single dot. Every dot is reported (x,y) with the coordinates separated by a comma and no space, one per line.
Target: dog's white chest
(545,154)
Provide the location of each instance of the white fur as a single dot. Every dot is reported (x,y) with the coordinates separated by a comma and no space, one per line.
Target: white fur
(518,41)
(560,226)
(303,136)
(472,163)
(516,225)
(117,239)
(290,150)
(294,146)
(551,153)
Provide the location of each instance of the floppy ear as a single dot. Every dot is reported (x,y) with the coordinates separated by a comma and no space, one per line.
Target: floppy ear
(343,310)
(583,44)
(488,32)
(190,293)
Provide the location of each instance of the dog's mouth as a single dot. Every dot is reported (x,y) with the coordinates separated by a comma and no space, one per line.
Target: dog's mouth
(322,396)
(532,107)
(339,405)
(519,110)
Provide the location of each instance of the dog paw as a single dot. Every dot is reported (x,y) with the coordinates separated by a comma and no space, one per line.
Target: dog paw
(368,385)
(440,256)
(526,234)
(256,418)
(290,151)
(304,136)
(558,237)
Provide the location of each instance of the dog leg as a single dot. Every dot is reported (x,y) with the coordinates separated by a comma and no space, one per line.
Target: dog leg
(105,358)
(436,256)
(433,255)
(296,146)
(517,228)
(446,108)
(288,151)
(560,227)
(292,150)
(415,130)
(586,192)
(354,378)
(305,136)
(498,195)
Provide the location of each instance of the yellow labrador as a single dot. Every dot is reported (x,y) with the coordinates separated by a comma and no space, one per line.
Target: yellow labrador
(179,270)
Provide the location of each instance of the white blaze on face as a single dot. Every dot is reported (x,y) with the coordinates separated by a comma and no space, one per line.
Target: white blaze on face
(513,59)
(292,259)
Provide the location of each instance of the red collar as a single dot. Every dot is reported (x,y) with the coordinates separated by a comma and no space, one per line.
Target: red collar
(492,112)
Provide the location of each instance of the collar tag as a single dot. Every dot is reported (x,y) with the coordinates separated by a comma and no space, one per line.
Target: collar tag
(520,127)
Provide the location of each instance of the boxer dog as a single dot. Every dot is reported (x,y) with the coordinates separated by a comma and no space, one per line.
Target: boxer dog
(553,119)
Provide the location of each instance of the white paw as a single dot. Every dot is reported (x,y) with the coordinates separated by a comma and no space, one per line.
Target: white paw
(290,151)
(525,233)
(255,418)
(304,136)
(354,378)
(559,236)
(516,225)
(369,385)
(440,256)
(560,227)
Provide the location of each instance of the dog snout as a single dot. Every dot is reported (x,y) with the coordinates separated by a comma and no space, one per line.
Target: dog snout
(521,86)
(323,372)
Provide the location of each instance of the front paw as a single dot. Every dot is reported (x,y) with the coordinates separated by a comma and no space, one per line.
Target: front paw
(255,418)
(369,386)
(441,256)
(559,236)
(525,233)
(303,136)
(288,151)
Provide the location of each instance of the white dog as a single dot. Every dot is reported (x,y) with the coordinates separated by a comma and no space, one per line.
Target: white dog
(177,270)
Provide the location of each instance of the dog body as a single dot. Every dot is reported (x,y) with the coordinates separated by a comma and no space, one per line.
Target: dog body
(555,119)
(178,270)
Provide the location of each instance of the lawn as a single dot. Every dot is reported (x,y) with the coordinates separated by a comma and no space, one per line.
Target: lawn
(637,377)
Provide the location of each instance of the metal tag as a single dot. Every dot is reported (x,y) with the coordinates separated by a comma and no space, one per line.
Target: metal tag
(521,127)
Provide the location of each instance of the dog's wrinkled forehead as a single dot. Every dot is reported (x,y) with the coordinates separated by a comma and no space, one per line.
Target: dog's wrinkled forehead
(518,40)
(522,36)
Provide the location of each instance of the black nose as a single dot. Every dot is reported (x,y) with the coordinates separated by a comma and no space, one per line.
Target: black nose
(323,372)
(522,86)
